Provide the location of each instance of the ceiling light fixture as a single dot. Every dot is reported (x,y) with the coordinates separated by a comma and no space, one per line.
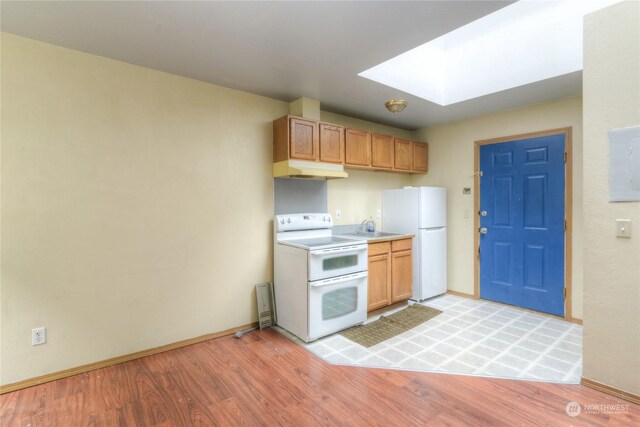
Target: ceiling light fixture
(396,105)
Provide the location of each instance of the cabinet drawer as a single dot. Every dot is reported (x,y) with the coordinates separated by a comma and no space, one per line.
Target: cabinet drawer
(378,248)
(399,245)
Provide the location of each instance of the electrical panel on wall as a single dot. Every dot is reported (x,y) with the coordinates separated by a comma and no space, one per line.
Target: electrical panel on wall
(624,164)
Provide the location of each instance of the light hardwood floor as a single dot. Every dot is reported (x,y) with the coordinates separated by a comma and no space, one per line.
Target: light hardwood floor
(265,379)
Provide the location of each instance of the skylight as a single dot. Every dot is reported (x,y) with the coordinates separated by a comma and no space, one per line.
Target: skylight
(525,42)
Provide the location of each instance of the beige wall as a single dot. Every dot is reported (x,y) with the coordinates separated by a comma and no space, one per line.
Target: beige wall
(359,196)
(611,82)
(347,121)
(451,165)
(137,207)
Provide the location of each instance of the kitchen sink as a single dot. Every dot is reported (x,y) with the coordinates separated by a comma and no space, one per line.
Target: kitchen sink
(371,234)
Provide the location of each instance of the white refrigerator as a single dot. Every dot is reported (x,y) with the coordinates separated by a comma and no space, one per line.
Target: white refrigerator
(421,211)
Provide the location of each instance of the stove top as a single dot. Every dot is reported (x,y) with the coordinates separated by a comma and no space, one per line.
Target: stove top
(310,231)
(326,242)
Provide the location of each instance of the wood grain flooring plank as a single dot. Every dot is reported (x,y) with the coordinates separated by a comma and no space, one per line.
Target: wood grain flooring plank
(111,386)
(264,379)
(310,387)
(483,406)
(152,405)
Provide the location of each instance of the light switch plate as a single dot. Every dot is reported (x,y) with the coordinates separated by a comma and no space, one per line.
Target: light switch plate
(623,227)
(338,214)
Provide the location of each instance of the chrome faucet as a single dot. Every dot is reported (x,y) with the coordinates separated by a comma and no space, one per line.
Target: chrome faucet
(366,225)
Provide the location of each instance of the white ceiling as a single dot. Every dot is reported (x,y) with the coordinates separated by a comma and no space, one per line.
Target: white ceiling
(283,50)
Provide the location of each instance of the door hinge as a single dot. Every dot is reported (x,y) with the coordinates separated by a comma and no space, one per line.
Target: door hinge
(565,157)
(564,293)
(565,225)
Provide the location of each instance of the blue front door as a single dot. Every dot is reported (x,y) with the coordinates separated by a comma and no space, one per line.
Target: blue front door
(522,213)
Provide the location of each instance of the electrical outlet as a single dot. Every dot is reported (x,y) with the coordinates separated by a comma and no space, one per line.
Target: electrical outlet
(338,214)
(38,336)
(379,213)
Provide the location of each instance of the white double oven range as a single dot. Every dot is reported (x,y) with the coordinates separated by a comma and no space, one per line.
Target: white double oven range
(320,280)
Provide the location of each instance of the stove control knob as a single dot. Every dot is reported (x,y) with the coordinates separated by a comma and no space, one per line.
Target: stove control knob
(281,220)
(288,220)
(329,219)
(324,219)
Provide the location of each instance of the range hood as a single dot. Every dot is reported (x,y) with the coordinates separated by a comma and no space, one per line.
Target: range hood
(309,170)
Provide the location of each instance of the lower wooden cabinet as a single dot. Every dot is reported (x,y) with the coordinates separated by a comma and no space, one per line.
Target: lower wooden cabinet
(401,276)
(378,291)
(390,273)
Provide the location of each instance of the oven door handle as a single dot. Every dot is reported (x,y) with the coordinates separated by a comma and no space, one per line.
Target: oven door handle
(339,279)
(343,249)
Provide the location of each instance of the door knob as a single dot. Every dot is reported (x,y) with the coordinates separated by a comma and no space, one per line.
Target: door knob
(483,213)
(483,230)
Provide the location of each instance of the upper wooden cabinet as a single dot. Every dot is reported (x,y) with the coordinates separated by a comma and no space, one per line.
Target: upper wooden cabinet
(331,143)
(420,157)
(402,160)
(295,138)
(305,139)
(357,147)
(382,151)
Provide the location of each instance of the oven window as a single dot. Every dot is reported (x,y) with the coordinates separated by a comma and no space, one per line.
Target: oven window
(339,302)
(338,263)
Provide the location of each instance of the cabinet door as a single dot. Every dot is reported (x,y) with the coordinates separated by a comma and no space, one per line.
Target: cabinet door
(402,159)
(304,139)
(357,148)
(331,143)
(420,157)
(382,151)
(401,276)
(379,282)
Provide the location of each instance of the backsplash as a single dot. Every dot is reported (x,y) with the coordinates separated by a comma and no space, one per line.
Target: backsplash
(359,196)
(299,195)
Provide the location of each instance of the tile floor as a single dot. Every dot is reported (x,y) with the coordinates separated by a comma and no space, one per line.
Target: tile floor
(473,338)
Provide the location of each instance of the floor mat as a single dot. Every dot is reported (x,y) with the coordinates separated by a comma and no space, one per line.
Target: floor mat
(389,326)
